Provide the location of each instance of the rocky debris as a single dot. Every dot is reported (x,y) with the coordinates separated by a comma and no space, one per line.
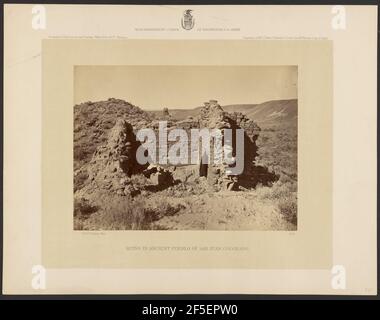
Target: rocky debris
(155,124)
(151,169)
(187,124)
(161,177)
(215,172)
(186,174)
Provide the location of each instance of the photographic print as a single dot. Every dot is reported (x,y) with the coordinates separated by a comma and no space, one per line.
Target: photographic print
(211,144)
(185,148)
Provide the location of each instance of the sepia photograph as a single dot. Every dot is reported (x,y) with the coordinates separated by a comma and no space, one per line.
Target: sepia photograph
(185,148)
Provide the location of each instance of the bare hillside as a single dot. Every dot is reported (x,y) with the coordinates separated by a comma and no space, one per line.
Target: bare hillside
(270,111)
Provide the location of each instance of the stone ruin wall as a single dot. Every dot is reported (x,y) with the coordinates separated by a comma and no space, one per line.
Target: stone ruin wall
(114,161)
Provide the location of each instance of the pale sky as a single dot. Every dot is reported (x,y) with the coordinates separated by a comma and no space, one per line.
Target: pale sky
(184,87)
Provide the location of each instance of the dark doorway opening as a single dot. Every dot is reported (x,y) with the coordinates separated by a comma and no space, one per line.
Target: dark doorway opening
(203,169)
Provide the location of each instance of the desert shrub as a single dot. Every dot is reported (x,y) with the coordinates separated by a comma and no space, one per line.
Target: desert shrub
(108,124)
(162,208)
(91,122)
(277,149)
(80,179)
(284,178)
(283,196)
(79,153)
(121,213)
(77,128)
(276,191)
(280,190)
(82,207)
(288,208)
(78,224)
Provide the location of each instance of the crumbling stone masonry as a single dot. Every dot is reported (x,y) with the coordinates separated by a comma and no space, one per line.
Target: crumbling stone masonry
(212,116)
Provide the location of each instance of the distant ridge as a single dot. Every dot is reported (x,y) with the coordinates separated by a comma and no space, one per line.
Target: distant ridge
(269,111)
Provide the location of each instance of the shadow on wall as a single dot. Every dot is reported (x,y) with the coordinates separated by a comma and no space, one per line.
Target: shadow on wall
(252,174)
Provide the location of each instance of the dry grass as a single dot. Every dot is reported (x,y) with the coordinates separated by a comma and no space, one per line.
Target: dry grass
(82,207)
(288,208)
(283,196)
(278,151)
(119,213)
(127,213)
(80,179)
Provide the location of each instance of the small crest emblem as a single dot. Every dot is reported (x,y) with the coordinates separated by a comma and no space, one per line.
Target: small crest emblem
(187,20)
